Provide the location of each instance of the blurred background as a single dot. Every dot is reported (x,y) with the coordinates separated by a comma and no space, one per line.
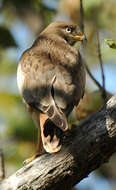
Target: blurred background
(21,21)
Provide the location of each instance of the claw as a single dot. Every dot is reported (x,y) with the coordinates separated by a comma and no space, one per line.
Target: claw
(27,161)
(24,162)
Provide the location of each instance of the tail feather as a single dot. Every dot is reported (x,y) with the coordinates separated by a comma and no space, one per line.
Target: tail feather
(49,107)
(57,116)
(51,135)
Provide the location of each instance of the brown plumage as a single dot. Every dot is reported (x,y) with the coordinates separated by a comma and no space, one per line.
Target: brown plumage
(51,79)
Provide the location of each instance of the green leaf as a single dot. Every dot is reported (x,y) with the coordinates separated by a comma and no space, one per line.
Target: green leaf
(6,39)
(111,43)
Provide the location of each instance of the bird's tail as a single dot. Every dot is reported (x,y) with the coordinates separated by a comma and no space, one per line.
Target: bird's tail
(57,116)
(52,123)
(54,113)
(51,135)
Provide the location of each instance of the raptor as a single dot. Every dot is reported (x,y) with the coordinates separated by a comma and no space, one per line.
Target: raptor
(51,80)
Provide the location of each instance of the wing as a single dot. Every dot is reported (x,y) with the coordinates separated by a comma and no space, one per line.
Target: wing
(69,86)
(35,77)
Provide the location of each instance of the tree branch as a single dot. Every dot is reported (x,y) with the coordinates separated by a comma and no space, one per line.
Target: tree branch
(91,76)
(104,96)
(81,16)
(101,87)
(89,145)
(2,170)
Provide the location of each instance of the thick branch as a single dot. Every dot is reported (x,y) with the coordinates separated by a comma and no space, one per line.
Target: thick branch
(89,145)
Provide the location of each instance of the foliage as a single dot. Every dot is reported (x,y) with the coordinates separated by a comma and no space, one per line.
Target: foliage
(111,43)
(6,39)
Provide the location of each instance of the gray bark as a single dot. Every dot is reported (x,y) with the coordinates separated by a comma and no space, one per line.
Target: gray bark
(90,145)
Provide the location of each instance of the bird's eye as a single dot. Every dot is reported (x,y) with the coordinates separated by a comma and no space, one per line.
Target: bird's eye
(68,30)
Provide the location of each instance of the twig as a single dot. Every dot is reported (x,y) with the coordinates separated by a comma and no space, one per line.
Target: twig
(102,88)
(102,70)
(81,16)
(2,171)
(92,77)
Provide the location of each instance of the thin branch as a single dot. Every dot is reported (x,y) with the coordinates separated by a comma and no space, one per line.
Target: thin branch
(81,16)
(2,170)
(102,70)
(92,77)
(102,88)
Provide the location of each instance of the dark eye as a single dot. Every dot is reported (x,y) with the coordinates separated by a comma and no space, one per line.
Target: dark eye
(68,30)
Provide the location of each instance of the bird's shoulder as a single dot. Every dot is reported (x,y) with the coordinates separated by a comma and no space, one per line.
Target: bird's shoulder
(46,54)
(33,57)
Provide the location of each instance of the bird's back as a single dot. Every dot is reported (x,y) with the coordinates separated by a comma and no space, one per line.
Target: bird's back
(53,65)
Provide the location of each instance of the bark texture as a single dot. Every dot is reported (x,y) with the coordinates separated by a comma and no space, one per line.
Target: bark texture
(90,144)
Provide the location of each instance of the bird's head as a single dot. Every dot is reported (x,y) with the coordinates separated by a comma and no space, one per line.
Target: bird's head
(67,31)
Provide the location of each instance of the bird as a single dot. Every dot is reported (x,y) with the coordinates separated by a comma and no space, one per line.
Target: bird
(51,80)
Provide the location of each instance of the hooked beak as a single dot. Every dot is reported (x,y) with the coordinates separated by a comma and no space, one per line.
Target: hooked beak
(80,37)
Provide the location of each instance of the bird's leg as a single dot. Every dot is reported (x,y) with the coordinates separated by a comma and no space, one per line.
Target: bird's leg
(39,150)
(44,140)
